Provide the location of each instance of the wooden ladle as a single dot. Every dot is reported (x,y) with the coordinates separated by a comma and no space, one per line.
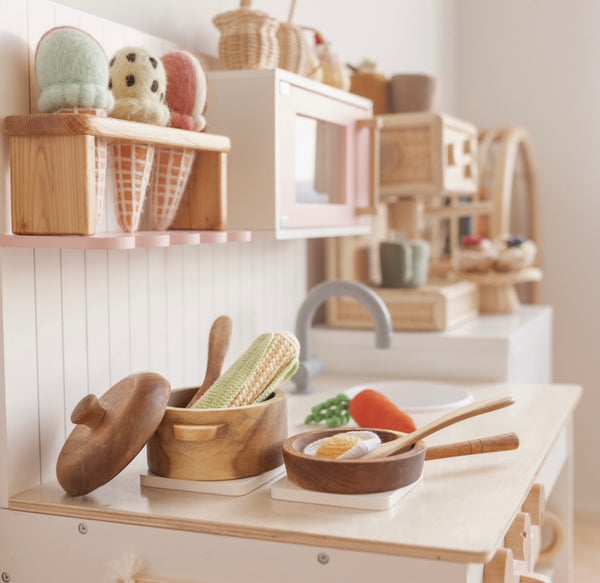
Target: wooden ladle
(406,442)
(218,344)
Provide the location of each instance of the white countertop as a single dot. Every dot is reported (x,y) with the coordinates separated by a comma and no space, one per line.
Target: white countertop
(458,512)
(491,347)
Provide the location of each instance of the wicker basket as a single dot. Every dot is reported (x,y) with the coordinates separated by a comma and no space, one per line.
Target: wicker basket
(248,39)
(295,54)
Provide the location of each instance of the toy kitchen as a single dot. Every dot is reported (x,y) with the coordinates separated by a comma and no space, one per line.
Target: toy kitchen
(146,437)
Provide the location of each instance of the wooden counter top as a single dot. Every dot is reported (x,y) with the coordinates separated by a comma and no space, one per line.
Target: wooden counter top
(458,512)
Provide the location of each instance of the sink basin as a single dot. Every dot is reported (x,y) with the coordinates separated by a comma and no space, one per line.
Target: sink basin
(419,396)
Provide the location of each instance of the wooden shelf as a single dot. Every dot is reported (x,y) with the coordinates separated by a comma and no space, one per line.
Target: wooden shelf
(56,161)
(118,130)
(124,240)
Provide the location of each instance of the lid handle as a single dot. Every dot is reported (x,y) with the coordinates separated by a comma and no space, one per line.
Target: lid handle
(88,412)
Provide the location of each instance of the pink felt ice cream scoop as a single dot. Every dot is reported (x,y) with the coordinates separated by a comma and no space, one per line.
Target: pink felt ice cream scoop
(187,90)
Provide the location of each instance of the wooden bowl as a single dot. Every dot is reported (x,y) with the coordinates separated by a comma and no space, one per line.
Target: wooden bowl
(218,444)
(353,476)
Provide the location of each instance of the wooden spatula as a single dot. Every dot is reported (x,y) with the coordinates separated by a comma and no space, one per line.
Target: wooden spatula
(403,443)
(218,344)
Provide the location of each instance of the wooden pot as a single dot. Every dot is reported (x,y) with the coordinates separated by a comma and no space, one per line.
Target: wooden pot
(218,444)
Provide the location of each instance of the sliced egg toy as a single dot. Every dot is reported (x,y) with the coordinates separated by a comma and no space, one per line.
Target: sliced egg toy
(347,445)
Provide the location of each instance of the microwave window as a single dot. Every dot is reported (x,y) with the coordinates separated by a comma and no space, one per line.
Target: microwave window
(319,161)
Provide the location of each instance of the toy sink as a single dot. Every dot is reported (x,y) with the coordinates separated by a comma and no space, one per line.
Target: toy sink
(419,396)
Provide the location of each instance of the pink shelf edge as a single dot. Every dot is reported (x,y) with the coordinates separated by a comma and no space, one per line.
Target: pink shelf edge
(117,240)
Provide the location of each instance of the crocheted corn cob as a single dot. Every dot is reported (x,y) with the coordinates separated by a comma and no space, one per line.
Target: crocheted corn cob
(271,359)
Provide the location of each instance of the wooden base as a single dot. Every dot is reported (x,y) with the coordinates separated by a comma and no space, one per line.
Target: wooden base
(435,306)
(53,181)
(497,292)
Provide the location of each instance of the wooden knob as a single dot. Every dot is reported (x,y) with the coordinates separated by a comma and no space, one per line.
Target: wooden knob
(518,537)
(88,412)
(451,156)
(535,504)
(500,568)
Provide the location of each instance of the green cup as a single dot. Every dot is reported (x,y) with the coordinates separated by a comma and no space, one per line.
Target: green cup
(404,264)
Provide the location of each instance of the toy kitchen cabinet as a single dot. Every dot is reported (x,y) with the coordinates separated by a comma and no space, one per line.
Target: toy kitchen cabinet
(304,156)
(72,320)
(515,348)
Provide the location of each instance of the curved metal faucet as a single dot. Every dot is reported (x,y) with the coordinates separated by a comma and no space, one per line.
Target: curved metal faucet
(310,366)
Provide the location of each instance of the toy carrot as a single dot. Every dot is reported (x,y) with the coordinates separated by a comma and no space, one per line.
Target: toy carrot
(369,408)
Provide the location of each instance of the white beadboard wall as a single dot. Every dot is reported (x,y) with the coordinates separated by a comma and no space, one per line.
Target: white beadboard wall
(75,322)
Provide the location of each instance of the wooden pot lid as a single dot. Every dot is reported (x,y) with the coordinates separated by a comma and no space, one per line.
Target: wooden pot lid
(111,431)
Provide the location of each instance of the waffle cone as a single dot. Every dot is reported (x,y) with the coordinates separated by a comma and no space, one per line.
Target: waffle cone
(100,162)
(132,163)
(170,173)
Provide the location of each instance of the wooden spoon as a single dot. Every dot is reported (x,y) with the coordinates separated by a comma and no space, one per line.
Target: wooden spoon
(218,343)
(406,442)
(502,442)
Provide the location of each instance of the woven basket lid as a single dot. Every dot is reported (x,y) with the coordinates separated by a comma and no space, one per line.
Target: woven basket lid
(244,16)
(111,431)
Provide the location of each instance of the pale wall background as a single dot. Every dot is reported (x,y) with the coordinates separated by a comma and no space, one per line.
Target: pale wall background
(517,62)
(535,63)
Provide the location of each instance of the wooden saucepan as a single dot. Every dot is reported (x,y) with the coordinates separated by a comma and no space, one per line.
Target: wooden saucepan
(364,476)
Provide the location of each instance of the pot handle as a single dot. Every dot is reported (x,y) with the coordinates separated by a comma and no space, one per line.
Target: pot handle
(198,432)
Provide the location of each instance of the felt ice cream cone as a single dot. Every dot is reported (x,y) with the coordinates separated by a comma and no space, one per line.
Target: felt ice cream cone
(171,170)
(186,99)
(132,164)
(72,73)
(138,81)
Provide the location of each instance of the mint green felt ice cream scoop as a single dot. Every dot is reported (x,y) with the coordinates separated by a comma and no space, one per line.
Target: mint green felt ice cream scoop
(72,71)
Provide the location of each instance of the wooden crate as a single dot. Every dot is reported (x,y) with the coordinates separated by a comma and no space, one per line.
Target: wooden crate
(52,159)
(439,305)
(435,306)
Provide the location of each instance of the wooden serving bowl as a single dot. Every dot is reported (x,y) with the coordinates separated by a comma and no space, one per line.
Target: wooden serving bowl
(218,444)
(352,476)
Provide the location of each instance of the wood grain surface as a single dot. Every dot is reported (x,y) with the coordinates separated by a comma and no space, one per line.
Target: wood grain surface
(218,343)
(218,444)
(110,431)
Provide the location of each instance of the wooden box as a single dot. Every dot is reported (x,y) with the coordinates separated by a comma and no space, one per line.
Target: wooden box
(427,154)
(53,182)
(302,162)
(436,306)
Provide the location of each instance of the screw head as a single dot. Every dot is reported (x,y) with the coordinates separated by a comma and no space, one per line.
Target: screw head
(323,558)
(5,577)
(82,528)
